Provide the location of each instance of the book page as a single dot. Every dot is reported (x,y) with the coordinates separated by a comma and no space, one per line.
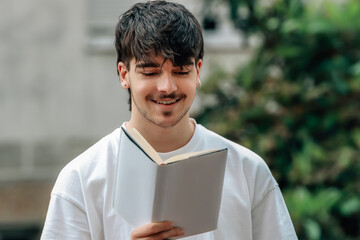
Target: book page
(188,155)
(145,145)
(141,141)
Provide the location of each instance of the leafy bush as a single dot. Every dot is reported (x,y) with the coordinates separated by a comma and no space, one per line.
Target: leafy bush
(297,104)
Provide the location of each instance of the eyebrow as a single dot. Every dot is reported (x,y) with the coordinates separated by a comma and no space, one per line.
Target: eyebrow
(145,65)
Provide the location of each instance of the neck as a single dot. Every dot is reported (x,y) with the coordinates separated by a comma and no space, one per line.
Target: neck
(166,139)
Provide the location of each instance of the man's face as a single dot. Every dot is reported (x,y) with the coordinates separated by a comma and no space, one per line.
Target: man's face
(161,92)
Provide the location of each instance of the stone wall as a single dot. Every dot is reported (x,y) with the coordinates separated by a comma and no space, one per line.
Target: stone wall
(57,98)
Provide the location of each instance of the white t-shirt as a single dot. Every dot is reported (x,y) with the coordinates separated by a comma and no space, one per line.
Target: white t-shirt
(252,206)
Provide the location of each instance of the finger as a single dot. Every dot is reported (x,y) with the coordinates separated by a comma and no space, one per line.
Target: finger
(151,229)
(175,232)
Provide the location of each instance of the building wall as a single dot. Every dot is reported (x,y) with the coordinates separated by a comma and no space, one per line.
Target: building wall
(59,94)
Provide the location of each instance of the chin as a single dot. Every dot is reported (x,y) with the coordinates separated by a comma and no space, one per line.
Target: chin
(166,124)
(167,121)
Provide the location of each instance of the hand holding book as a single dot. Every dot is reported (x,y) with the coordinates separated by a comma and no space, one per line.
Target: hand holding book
(158,230)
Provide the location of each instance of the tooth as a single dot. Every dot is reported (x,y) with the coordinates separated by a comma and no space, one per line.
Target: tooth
(166,102)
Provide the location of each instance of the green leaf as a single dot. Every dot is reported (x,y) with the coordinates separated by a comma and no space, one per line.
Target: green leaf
(312,229)
(350,206)
(355,69)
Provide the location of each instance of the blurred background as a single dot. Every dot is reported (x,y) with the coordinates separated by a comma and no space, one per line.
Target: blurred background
(281,77)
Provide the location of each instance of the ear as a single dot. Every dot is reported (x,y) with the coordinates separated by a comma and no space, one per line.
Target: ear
(123,75)
(198,67)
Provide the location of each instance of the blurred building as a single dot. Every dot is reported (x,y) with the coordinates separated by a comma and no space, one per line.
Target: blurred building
(59,92)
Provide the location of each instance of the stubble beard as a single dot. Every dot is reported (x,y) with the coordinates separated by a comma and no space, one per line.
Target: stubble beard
(145,114)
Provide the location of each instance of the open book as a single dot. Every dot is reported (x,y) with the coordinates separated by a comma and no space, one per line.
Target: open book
(185,189)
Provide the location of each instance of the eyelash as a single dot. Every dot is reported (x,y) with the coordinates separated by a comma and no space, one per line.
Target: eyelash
(156,73)
(149,74)
(183,73)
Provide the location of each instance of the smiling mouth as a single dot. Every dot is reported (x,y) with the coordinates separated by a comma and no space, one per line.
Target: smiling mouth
(169,102)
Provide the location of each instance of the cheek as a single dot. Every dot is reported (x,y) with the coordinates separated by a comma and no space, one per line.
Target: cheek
(141,88)
(190,92)
(190,87)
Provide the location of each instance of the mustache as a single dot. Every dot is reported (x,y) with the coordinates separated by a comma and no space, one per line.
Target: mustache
(166,96)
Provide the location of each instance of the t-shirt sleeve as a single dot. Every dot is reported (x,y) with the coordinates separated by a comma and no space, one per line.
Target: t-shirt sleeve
(65,220)
(271,219)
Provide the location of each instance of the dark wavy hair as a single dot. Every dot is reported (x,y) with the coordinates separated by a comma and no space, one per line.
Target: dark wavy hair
(158,28)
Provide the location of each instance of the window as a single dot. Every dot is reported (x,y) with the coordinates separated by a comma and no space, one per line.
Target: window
(219,32)
(102,18)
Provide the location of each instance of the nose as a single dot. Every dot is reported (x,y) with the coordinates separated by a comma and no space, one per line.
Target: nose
(167,84)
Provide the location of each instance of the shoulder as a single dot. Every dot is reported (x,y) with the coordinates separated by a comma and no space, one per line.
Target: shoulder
(95,155)
(237,151)
(88,168)
(244,165)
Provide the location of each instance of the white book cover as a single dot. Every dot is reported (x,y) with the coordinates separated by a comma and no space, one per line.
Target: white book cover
(186,192)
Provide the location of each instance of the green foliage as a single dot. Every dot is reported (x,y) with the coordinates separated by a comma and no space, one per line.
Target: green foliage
(297,104)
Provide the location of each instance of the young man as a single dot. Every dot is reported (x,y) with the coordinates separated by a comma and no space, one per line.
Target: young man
(160,51)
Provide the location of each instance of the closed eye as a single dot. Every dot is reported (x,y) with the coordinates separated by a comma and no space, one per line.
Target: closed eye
(182,73)
(149,74)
